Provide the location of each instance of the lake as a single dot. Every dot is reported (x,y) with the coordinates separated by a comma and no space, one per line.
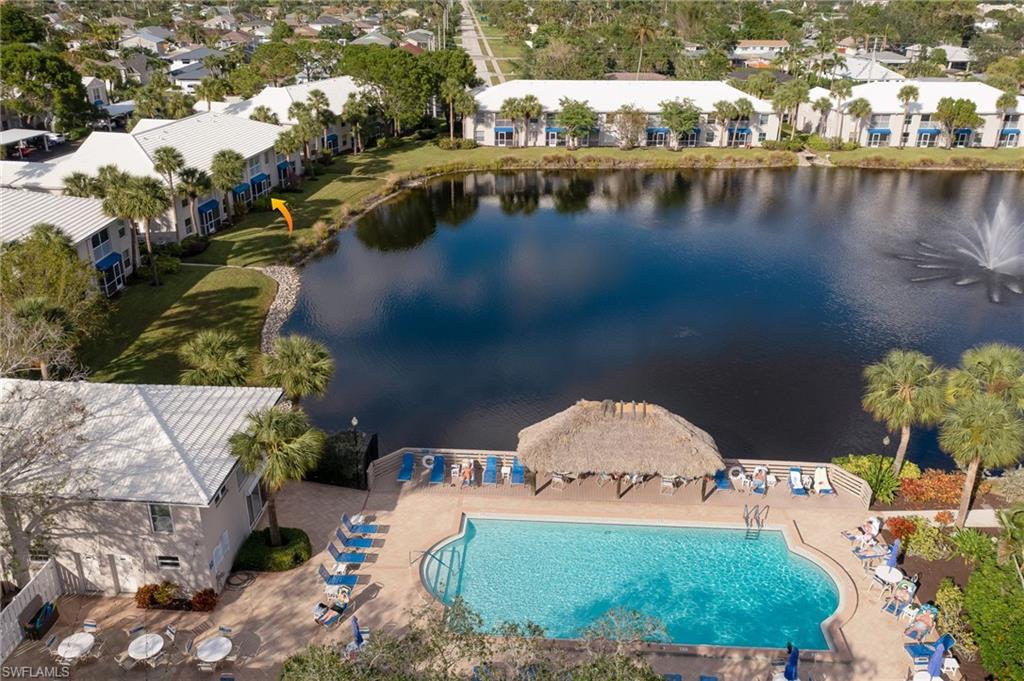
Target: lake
(747,301)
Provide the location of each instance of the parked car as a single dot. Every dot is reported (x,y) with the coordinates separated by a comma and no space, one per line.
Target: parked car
(56,138)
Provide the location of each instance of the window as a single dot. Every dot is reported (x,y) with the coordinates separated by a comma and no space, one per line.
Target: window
(908,120)
(254,503)
(906,138)
(240,476)
(184,203)
(478,135)
(188,225)
(926,118)
(120,232)
(160,518)
(254,165)
(127,256)
(502,138)
(38,555)
(266,157)
(168,562)
(1011,118)
(100,245)
(709,136)
(762,119)
(762,136)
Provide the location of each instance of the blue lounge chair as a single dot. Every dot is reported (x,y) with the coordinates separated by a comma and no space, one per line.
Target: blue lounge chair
(672,677)
(920,652)
(437,472)
(491,471)
(722,480)
(345,556)
(796,483)
(354,542)
(759,487)
(361,528)
(704,677)
(405,472)
(518,472)
(337,580)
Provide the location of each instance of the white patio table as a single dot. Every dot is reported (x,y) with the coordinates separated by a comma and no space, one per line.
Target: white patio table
(145,646)
(76,645)
(214,649)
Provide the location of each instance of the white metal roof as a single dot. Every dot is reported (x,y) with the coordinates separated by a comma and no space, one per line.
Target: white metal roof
(201,136)
(862,69)
(20,209)
(153,443)
(278,99)
(882,95)
(608,95)
(14,135)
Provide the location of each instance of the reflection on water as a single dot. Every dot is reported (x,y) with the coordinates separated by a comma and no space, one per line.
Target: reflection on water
(747,301)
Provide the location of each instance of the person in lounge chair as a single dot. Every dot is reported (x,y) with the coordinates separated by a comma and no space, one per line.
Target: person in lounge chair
(866,534)
(922,624)
(467,475)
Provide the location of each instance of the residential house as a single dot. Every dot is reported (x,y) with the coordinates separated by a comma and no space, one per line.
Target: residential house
(198,138)
(95,90)
(810,120)
(189,55)
(234,38)
(758,50)
(221,22)
(158,495)
(146,39)
(987,24)
(862,70)
(98,238)
(420,37)
(889,124)
(414,50)
(373,38)
(279,100)
(187,78)
(124,23)
(957,58)
(135,68)
(489,128)
(325,20)
(886,57)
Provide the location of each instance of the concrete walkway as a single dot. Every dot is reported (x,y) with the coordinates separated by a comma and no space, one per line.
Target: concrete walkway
(475,43)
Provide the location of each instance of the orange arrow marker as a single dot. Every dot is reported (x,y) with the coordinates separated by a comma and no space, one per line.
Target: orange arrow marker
(278,204)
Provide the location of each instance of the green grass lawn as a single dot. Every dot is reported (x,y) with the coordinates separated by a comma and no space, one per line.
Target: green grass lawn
(149,323)
(933,156)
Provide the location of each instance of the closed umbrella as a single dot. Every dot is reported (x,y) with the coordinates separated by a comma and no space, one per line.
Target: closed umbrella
(357,634)
(791,672)
(894,553)
(935,661)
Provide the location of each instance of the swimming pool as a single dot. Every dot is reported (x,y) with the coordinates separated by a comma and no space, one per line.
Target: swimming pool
(707,585)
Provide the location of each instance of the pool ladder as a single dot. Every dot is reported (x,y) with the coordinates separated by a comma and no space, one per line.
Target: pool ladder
(753,519)
(442,582)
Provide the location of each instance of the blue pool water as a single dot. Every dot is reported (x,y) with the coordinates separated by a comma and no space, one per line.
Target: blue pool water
(706,586)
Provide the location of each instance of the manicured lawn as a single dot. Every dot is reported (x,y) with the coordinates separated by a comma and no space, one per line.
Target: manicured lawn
(913,156)
(507,50)
(149,323)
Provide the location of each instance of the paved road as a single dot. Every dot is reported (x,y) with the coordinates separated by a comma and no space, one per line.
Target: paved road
(474,42)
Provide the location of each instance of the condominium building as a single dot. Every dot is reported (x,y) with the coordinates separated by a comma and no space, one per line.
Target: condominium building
(489,127)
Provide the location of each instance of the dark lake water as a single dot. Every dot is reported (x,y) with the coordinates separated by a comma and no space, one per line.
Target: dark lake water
(746,301)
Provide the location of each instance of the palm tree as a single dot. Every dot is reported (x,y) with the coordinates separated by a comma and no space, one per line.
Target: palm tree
(80,184)
(306,127)
(320,108)
(993,369)
(841,90)
(214,358)
(860,109)
(981,431)
(465,104)
(356,113)
(168,161)
(451,90)
(211,89)
(645,28)
(288,142)
(723,112)
(744,110)
(529,108)
(108,176)
(1011,540)
(1006,102)
(511,109)
(139,199)
(193,183)
(227,171)
(280,443)
(822,106)
(904,390)
(263,114)
(300,365)
(906,95)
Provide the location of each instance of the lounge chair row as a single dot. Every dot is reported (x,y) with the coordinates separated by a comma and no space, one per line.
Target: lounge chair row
(349,553)
(762,479)
(439,463)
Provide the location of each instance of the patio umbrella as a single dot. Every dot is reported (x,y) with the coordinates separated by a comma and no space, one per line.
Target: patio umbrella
(894,553)
(935,661)
(357,634)
(792,672)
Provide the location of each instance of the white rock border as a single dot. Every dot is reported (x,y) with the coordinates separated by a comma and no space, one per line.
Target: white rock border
(288,285)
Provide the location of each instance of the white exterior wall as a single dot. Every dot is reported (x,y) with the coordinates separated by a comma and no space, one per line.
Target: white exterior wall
(227,521)
(989,138)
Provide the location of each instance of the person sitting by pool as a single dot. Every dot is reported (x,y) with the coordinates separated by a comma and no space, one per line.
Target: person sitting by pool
(326,615)
(922,624)
(903,595)
(467,474)
(866,534)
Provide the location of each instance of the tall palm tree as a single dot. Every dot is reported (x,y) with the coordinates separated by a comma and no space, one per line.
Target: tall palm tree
(193,183)
(80,184)
(645,28)
(841,90)
(451,90)
(906,95)
(1011,541)
(823,107)
(904,390)
(982,431)
(280,443)
(744,110)
(860,109)
(263,114)
(356,112)
(300,365)
(307,128)
(465,104)
(211,89)
(511,109)
(993,369)
(320,109)
(227,171)
(288,142)
(1006,102)
(214,358)
(723,112)
(529,108)
(139,200)
(108,176)
(168,161)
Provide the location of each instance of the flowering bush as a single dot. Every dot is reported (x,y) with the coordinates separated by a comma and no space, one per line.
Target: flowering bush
(944,518)
(927,541)
(204,601)
(933,486)
(900,527)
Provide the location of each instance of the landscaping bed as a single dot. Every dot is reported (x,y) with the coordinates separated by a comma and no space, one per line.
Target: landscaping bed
(257,555)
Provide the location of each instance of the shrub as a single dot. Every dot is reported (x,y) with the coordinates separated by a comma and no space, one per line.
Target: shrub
(341,462)
(901,527)
(171,248)
(144,595)
(994,605)
(165,593)
(387,142)
(818,143)
(451,144)
(258,555)
(165,264)
(975,546)
(1010,486)
(927,541)
(857,463)
(950,601)
(934,486)
(194,245)
(204,601)
(944,518)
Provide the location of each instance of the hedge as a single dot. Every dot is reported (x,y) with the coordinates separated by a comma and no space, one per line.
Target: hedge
(994,604)
(258,555)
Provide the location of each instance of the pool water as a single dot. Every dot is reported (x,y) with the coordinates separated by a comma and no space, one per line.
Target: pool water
(705,585)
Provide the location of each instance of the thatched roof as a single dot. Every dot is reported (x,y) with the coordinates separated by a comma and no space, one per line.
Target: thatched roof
(618,437)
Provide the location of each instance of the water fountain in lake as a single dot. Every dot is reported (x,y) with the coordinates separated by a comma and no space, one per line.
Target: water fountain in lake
(991,253)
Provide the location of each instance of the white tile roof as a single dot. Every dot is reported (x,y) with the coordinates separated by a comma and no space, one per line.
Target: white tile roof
(609,95)
(882,95)
(278,99)
(20,209)
(154,443)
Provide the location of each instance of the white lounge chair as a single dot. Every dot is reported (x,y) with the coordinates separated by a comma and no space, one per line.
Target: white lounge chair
(821,483)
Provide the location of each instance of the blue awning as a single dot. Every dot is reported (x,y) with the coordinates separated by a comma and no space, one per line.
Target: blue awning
(257,179)
(241,188)
(503,130)
(283,165)
(554,129)
(664,130)
(743,130)
(963,131)
(107,261)
(879,131)
(332,137)
(210,206)
(1009,131)
(929,131)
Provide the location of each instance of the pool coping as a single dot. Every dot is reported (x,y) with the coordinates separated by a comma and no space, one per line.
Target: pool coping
(839,650)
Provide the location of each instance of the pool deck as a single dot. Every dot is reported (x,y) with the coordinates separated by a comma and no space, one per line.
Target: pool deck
(271,616)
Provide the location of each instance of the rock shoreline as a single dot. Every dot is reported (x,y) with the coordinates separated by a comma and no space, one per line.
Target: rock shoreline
(288,284)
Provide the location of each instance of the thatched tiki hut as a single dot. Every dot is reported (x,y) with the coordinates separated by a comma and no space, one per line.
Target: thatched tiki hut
(619,437)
